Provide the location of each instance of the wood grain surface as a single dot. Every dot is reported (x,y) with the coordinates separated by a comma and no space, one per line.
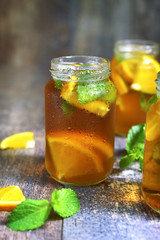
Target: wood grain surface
(31,33)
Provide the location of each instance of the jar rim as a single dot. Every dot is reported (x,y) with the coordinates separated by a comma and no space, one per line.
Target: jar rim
(79,59)
(136,46)
(63,68)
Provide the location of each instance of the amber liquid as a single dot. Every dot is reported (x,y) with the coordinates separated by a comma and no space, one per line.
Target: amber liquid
(129,110)
(151,177)
(79,146)
(151,165)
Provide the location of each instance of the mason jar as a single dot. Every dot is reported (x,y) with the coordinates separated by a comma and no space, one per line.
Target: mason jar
(151,162)
(133,70)
(79,120)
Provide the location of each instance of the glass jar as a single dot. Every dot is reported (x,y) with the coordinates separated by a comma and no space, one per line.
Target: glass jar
(79,120)
(151,164)
(134,69)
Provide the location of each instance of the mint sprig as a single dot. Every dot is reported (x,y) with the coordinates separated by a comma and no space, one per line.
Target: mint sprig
(134,146)
(32,214)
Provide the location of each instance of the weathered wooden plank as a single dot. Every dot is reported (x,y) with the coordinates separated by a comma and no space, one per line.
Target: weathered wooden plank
(113,209)
(26,169)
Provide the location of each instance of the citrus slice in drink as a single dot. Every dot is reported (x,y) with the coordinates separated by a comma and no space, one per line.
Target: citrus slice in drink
(127,68)
(10,197)
(97,107)
(77,154)
(120,84)
(146,75)
(153,122)
(18,140)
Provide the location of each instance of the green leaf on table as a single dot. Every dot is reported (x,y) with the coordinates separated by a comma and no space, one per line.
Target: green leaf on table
(65,202)
(28,215)
(126,160)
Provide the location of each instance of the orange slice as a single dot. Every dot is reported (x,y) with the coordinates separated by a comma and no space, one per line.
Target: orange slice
(18,140)
(10,197)
(146,75)
(120,84)
(153,122)
(76,154)
(127,68)
(97,107)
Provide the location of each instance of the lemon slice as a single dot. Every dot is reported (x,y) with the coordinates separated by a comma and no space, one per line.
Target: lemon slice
(18,140)
(146,75)
(127,68)
(97,107)
(77,154)
(10,197)
(153,122)
(120,84)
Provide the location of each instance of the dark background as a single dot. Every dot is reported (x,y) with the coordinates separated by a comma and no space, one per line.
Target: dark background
(34,31)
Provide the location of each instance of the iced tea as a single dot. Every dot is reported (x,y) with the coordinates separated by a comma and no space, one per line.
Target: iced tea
(79,120)
(133,70)
(151,165)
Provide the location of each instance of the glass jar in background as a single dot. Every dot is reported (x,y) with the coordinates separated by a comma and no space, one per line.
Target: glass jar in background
(151,164)
(79,120)
(134,69)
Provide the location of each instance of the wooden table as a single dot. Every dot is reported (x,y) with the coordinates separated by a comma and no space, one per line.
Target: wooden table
(113,209)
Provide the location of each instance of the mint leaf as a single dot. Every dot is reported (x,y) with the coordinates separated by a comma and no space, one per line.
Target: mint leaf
(151,101)
(134,146)
(143,101)
(110,93)
(90,91)
(126,160)
(67,108)
(136,137)
(28,215)
(65,202)
(119,58)
(58,83)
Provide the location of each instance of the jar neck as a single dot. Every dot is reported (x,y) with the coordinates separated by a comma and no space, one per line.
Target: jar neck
(128,48)
(81,67)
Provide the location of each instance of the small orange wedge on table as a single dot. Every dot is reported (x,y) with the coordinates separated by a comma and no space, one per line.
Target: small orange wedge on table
(10,197)
(18,140)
